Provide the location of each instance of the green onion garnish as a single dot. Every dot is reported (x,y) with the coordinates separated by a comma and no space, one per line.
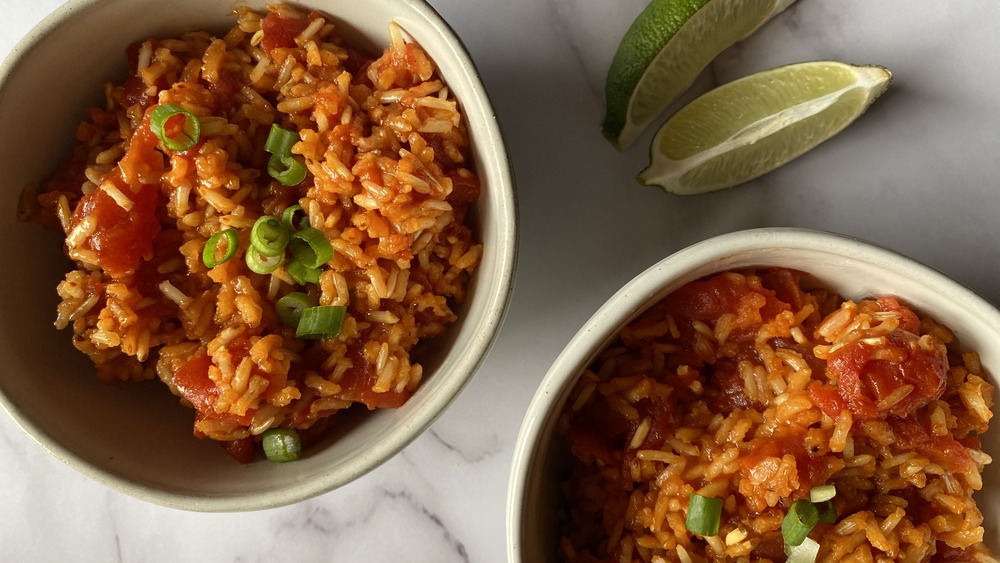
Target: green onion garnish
(289,170)
(805,552)
(262,264)
(282,444)
(288,218)
(800,520)
(827,513)
(280,141)
(324,321)
(300,273)
(822,493)
(209,254)
(311,247)
(704,515)
(289,308)
(268,236)
(178,128)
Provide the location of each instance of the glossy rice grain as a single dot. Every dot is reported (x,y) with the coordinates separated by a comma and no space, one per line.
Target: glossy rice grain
(754,387)
(388,184)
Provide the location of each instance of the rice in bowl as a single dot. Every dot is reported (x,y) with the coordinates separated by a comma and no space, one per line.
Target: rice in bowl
(388,184)
(749,388)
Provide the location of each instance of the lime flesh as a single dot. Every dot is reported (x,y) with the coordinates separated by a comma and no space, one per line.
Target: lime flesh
(665,49)
(749,127)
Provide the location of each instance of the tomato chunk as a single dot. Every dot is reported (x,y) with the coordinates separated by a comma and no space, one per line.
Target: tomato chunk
(241,450)
(912,435)
(193,383)
(122,238)
(280,33)
(868,374)
(358,381)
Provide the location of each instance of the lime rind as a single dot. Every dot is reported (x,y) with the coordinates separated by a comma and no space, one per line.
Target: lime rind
(759,143)
(666,48)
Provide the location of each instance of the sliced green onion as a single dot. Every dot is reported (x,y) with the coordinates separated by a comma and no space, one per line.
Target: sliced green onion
(827,513)
(822,493)
(289,308)
(704,515)
(311,247)
(324,321)
(288,169)
(269,237)
(805,552)
(178,128)
(280,141)
(209,254)
(282,444)
(300,273)
(262,264)
(288,218)
(800,520)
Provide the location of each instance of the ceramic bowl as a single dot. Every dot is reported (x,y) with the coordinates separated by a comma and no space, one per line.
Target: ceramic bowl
(851,267)
(136,438)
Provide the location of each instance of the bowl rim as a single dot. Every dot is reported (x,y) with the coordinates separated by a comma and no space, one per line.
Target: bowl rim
(640,292)
(496,304)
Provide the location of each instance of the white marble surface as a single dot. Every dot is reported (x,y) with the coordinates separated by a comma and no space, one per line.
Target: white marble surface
(919,174)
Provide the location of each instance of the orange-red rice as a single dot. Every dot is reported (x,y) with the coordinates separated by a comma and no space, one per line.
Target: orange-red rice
(662,414)
(389,184)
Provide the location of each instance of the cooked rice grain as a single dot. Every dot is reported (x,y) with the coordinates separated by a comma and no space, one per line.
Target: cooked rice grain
(727,389)
(392,201)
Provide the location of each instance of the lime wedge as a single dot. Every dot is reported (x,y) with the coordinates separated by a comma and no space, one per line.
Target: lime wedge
(753,125)
(665,49)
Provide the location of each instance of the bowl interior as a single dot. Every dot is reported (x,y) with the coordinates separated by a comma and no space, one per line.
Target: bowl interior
(136,437)
(852,268)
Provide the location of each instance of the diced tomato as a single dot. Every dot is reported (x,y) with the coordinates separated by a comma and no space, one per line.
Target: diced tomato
(134,91)
(241,450)
(465,189)
(786,285)
(908,320)
(827,398)
(912,435)
(707,300)
(598,432)
(868,373)
(281,32)
(121,239)
(357,383)
(194,384)
(729,390)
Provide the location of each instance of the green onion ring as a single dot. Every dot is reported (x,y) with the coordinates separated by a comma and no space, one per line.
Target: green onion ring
(324,321)
(268,237)
(300,273)
(827,513)
(800,520)
(311,247)
(211,250)
(822,493)
(805,552)
(288,218)
(282,444)
(704,515)
(160,121)
(289,170)
(280,141)
(262,264)
(289,308)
